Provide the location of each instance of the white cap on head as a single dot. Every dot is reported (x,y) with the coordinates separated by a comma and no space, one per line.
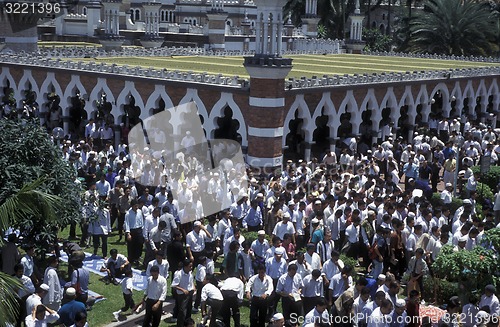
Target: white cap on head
(411,214)
(462,239)
(45,287)
(317,202)
(197,223)
(279,251)
(71,291)
(466,201)
(291,203)
(315,221)
(277,316)
(261,232)
(286,215)
(400,303)
(381,277)
(449,185)
(259,195)
(481,317)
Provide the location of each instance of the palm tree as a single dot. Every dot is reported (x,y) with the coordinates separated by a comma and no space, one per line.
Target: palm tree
(453,27)
(26,202)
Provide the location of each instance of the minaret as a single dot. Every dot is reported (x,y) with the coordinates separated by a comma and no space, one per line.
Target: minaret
(217,25)
(310,20)
(152,38)
(355,43)
(267,70)
(93,16)
(111,40)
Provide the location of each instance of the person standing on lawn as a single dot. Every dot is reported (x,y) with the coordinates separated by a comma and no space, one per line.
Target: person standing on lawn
(155,294)
(183,284)
(134,222)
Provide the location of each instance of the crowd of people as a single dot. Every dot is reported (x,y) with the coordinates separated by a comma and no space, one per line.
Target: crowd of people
(369,203)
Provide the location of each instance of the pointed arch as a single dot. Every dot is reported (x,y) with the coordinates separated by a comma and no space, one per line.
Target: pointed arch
(154,99)
(226,99)
(407,98)
(44,89)
(422,96)
(102,87)
(22,86)
(192,96)
(493,91)
(370,101)
(6,76)
(481,90)
(469,91)
(68,93)
(301,106)
(327,103)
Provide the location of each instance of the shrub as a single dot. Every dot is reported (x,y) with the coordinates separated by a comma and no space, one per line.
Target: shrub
(439,290)
(472,270)
(437,202)
(349,261)
(491,178)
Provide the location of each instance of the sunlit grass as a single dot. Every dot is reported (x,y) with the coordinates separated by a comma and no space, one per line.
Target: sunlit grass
(303,65)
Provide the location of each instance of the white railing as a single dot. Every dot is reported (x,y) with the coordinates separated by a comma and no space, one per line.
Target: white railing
(356,79)
(432,56)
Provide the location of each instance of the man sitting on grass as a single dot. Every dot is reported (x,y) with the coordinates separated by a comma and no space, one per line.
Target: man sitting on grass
(115,266)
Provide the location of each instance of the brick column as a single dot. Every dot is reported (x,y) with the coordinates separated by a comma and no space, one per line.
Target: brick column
(267,109)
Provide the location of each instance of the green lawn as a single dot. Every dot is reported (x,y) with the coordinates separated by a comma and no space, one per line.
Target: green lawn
(102,312)
(303,65)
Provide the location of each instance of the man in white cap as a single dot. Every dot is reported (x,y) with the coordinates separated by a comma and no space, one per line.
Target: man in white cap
(447,195)
(260,246)
(195,241)
(36,298)
(275,268)
(284,227)
(278,320)
(68,310)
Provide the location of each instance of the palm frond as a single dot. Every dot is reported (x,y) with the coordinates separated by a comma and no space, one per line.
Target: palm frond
(29,201)
(9,305)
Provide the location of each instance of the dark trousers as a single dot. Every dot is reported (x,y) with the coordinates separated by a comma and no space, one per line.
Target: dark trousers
(231,307)
(113,214)
(309,303)
(184,305)
(196,256)
(121,222)
(216,306)
(273,301)
(290,306)
(134,246)
(97,242)
(253,228)
(197,300)
(84,225)
(258,311)
(152,317)
(129,302)
(116,272)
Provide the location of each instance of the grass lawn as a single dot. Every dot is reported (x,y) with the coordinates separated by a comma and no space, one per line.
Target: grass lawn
(303,65)
(102,312)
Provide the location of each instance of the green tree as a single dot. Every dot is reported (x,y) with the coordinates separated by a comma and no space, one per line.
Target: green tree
(453,27)
(26,154)
(29,201)
(376,41)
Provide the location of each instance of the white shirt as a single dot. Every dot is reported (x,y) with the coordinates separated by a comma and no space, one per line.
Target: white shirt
(258,287)
(313,317)
(55,292)
(314,261)
(280,229)
(164,266)
(234,284)
(127,285)
(330,269)
(337,284)
(259,249)
(28,265)
(352,233)
(312,287)
(196,241)
(48,319)
(156,289)
(377,319)
(492,302)
(183,280)
(210,291)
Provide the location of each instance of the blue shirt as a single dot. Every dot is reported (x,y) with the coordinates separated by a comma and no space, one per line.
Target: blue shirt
(317,236)
(68,311)
(133,220)
(253,218)
(275,269)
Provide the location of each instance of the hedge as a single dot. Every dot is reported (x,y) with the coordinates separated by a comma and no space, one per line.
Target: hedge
(492,178)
